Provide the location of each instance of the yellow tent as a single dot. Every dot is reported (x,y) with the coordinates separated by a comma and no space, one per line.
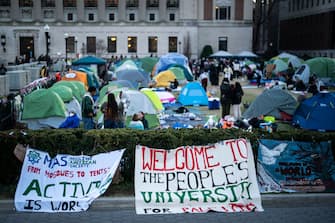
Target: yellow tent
(164,78)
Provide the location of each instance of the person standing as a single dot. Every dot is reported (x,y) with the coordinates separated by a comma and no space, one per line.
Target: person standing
(87,108)
(112,113)
(237,99)
(204,79)
(226,97)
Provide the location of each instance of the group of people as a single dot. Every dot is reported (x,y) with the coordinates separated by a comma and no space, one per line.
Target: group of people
(231,96)
(113,111)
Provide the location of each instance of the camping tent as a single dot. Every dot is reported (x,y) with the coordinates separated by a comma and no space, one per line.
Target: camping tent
(126,65)
(78,88)
(74,75)
(272,102)
(88,60)
(148,63)
(173,59)
(166,97)
(43,108)
(322,66)
(153,98)
(164,78)
(317,112)
(221,53)
(289,58)
(137,77)
(193,94)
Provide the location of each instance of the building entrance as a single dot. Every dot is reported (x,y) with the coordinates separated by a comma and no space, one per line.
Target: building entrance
(27,48)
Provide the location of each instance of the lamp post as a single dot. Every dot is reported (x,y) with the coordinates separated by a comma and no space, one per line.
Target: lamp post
(47,42)
(75,46)
(3,42)
(66,36)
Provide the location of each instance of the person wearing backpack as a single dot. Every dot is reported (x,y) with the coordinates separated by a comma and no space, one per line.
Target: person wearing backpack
(226,97)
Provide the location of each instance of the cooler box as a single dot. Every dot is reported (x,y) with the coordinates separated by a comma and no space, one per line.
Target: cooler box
(213,103)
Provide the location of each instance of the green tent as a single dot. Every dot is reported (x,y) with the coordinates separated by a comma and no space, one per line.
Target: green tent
(43,103)
(148,63)
(153,98)
(63,91)
(89,60)
(178,72)
(322,66)
(78,88)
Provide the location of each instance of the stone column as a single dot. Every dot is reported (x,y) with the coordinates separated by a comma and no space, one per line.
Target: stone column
(37,16)
(162,10)
(14,9)
(102,10)
(80,11)
(142,10)
(59,11)
(122,10)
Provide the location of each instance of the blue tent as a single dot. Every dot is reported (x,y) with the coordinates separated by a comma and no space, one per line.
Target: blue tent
(138,78)
(174,59)
(316,113)
(193,94)
(89,60)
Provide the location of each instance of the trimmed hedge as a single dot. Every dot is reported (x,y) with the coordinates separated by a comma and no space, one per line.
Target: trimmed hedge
(79,141)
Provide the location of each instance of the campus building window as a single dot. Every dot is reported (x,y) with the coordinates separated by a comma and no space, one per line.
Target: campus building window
(173,44)
(223,43)
(222,13)
(131,17)
(26,3)
(90,3)
(172,3)
(111,16)
(4,2)
(151,17)
(152,3)
(132,4)
(69,3)
(69,17)
(132,44)
(172,17)
(152,44)
(90,17)
(112,3)
(111,44)
(48,3)
(91,44)
(70,44)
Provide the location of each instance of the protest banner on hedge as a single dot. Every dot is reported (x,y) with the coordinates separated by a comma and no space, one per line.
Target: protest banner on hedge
(196,179)
(63,183)
(290,166)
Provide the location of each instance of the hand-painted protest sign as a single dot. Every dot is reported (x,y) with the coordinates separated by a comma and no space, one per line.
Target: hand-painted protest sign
(196,179)
(64,183)
(289,166)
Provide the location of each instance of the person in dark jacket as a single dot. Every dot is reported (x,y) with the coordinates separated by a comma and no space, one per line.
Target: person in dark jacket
(87,108)
(237,94)
(226,97)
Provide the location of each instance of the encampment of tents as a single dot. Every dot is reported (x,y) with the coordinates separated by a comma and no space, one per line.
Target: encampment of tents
(272,102)
(88,60)
(78,88)
(193,94)
(322,67)
(316,112)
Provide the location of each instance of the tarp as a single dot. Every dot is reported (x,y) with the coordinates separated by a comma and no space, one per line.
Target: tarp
(89,60)
(292,166)
(42,103)
(271,103)
(164,78)
(193,94)
(316,112)
(138,78)
(303,73)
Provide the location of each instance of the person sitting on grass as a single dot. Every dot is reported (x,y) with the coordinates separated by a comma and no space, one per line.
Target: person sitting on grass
(136,123)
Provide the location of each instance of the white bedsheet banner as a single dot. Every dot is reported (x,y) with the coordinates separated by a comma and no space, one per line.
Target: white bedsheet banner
(64,183)
(196,179)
